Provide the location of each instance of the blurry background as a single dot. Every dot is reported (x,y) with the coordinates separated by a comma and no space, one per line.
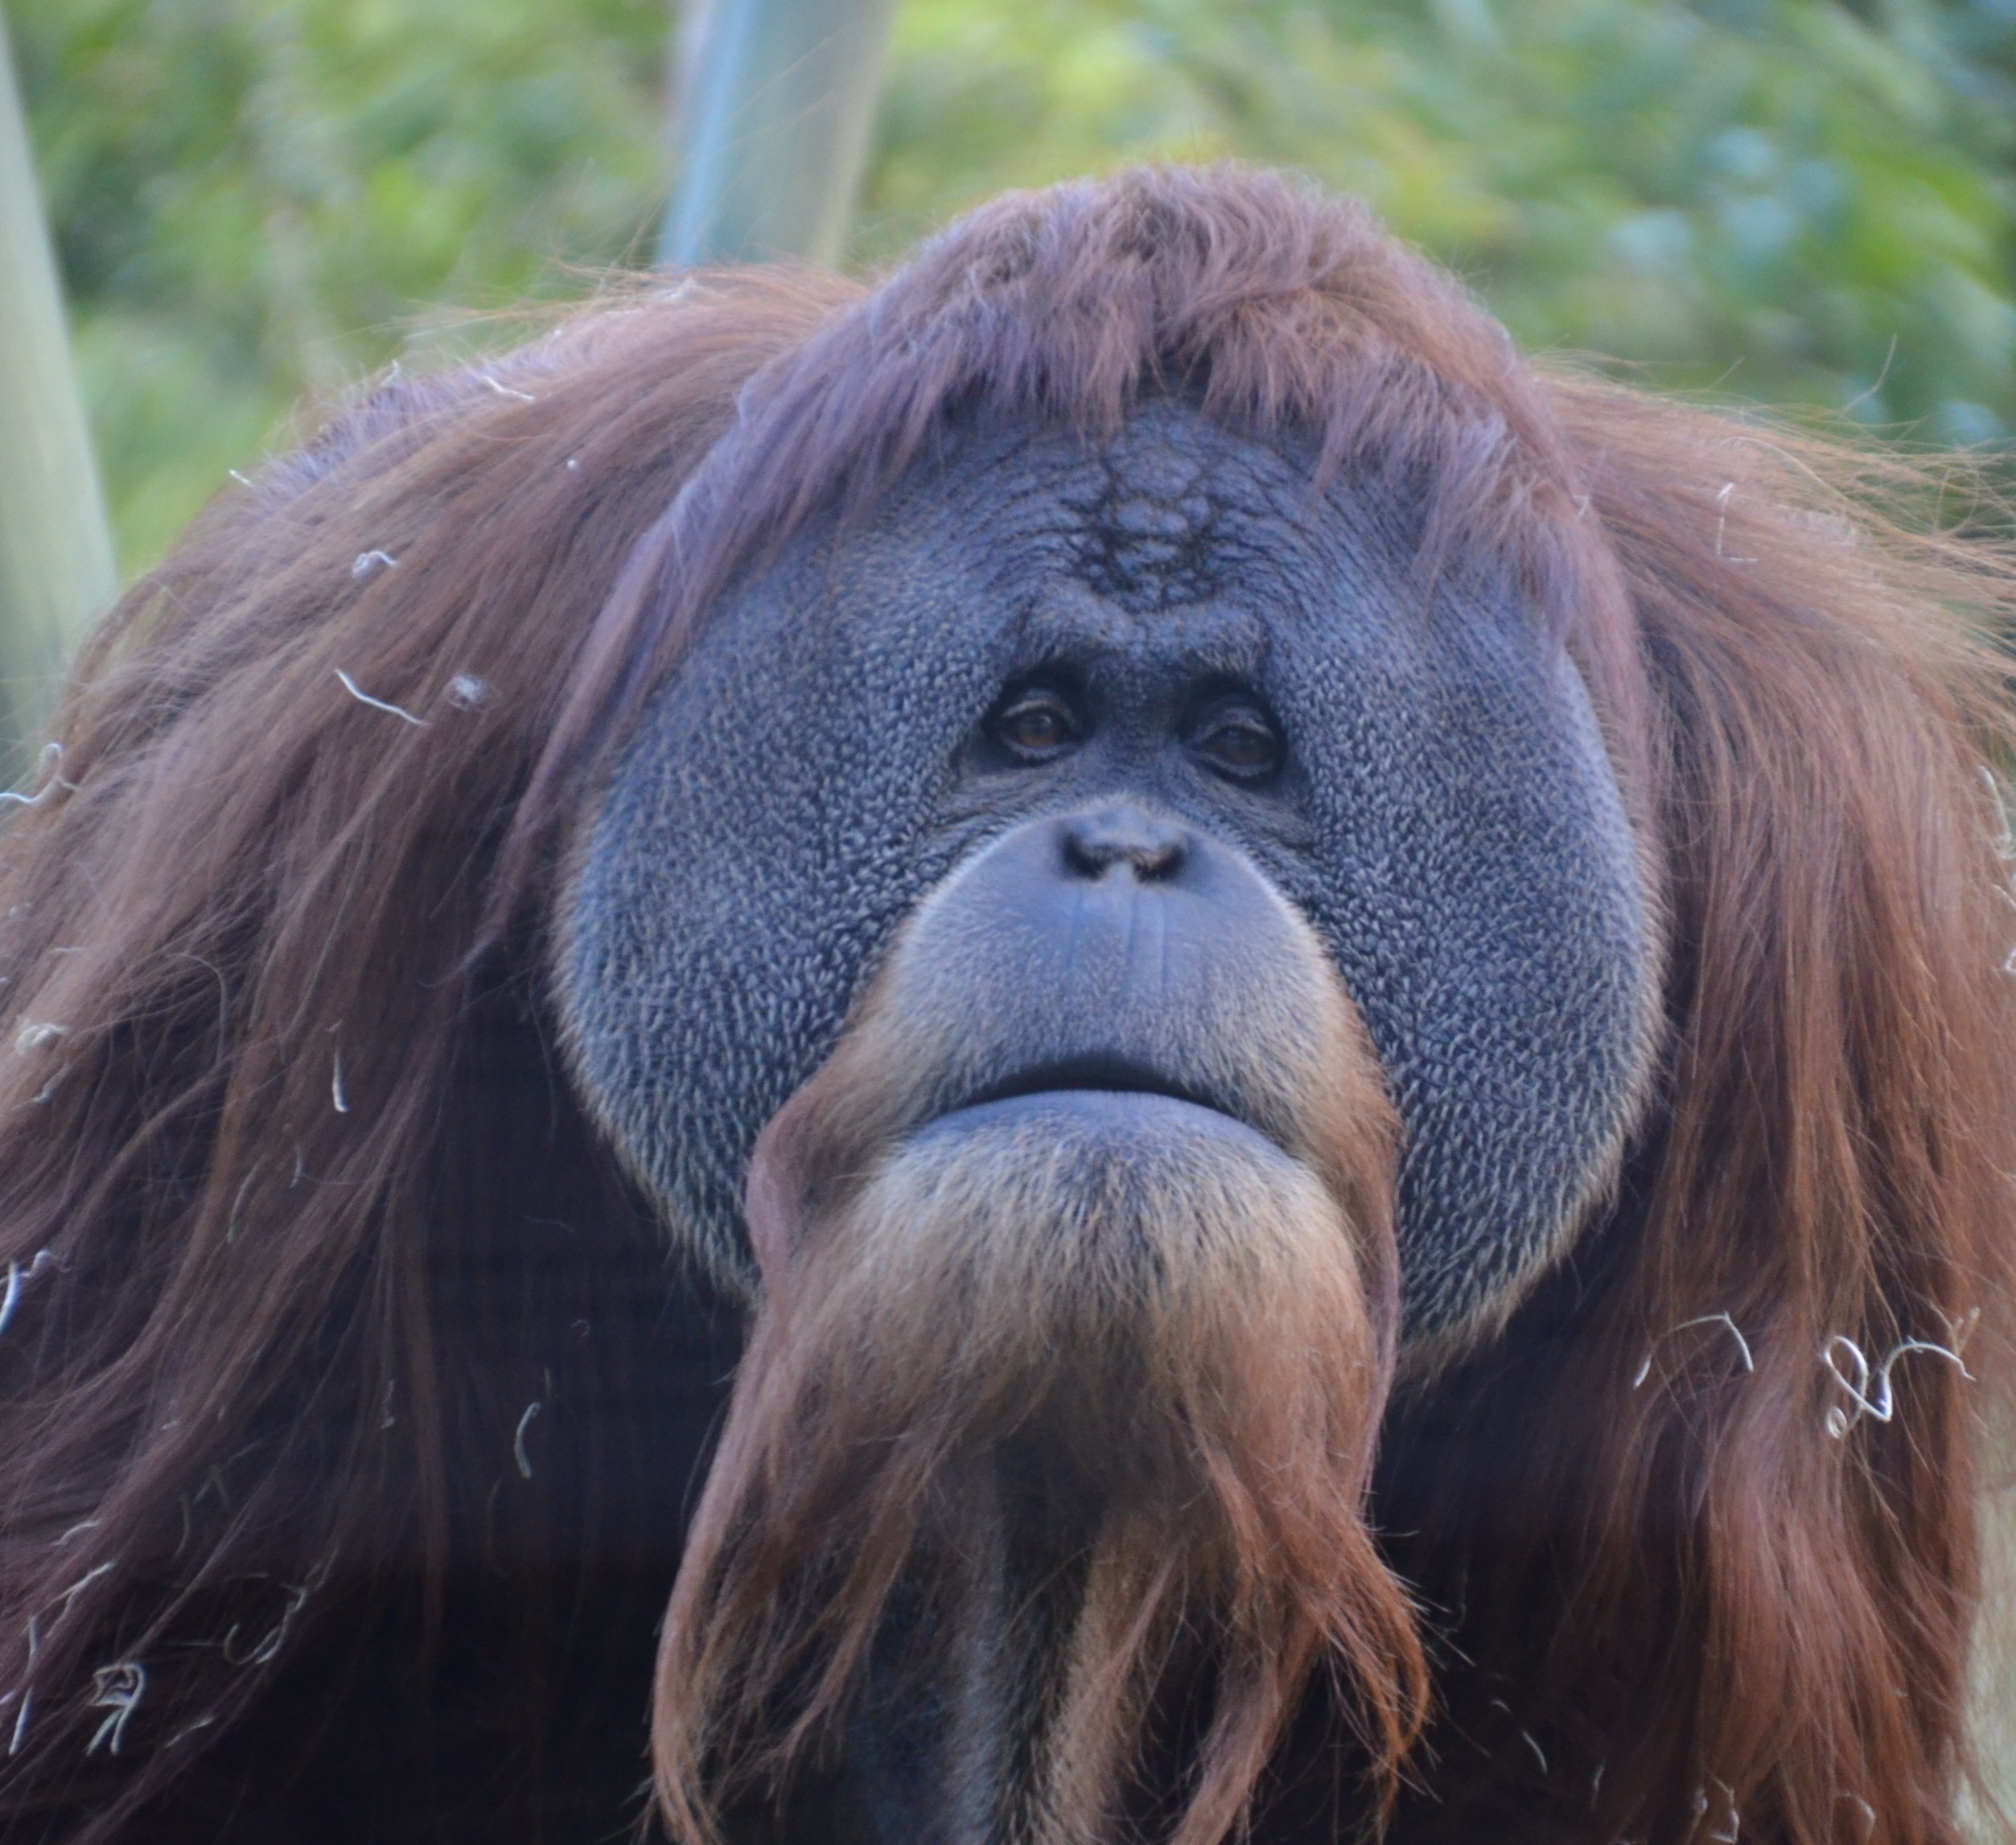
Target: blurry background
(1803,200)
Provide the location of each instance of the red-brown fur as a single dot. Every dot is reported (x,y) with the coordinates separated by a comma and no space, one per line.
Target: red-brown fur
(1690,1582)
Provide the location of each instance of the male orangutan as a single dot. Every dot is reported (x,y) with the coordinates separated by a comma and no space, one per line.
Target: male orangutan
(1112,1044)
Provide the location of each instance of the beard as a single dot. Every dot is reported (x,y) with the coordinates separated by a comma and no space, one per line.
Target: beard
(1049,1454)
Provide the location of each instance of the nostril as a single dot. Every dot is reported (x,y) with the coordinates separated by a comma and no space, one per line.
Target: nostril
(1084,857)
(1152,849)
(1158,859)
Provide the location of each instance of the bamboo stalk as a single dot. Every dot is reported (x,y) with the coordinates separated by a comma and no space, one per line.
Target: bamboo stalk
(57,567)
(777,100)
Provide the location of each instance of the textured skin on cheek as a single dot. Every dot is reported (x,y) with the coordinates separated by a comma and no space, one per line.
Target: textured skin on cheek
(1483,902)
(764,836)
(1458,837)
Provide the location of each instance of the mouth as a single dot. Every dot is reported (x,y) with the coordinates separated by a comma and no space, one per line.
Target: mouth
(1099,1073)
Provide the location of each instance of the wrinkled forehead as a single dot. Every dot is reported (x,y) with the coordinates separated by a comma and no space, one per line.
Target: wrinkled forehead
(1171,516)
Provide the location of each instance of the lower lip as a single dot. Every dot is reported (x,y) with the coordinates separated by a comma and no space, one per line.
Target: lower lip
(1118,1115)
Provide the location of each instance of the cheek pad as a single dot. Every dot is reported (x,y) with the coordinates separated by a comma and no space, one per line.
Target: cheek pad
(763,835)
(1476,876)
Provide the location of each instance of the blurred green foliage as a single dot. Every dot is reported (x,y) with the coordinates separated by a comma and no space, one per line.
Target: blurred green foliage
(1789,200)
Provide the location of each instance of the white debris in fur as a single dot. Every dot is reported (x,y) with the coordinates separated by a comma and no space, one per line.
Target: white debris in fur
(49,766)
(1721,519)
(467,693)
(1735,1332)
(77,1588)
(370,563)
(119,1689)
(183,1734)
(33,1036)
(28,1695)
(335,1085)
(2005,845)
(238,1202)
(505,390)
(574,466)
(243,480)
(362,698)
(19,1278)
(298,1594)
(1880,1405)
(518,1441)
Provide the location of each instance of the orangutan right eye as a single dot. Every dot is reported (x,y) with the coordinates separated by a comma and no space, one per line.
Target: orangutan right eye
(1036,725)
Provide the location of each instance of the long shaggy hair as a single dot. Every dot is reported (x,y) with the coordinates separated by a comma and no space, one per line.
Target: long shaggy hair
(1696,1537)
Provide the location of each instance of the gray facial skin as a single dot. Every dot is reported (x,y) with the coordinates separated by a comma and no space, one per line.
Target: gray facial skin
(1442,812)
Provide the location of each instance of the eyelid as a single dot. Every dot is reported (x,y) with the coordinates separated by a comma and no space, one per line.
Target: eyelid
(1044,700)
(1034,695)
(1235,714)
(1242,717)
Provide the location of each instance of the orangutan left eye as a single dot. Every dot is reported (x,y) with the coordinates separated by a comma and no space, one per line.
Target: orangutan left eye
(1239,740)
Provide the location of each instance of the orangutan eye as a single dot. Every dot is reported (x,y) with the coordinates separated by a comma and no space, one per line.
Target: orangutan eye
(1036,725)
(1238,739)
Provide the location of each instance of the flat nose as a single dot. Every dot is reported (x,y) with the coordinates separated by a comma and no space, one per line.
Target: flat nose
(1152,851)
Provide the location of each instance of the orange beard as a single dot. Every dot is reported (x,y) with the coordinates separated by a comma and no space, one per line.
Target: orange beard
(1051,1404)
